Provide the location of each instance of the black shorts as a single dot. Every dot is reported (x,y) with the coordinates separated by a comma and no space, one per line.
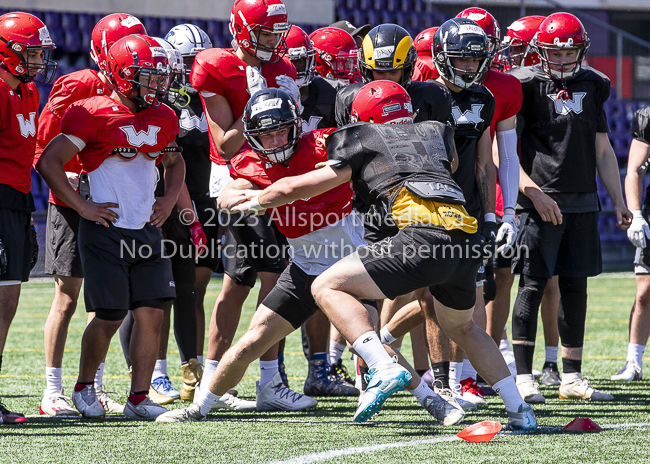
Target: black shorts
(61,250)
(291,298)
(214,228)
(179,248)
(123,266)
(570,249)
(253,244)
(16,238)
(427,256)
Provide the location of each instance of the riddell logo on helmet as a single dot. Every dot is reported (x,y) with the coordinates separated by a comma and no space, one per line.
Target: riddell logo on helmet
(278,9)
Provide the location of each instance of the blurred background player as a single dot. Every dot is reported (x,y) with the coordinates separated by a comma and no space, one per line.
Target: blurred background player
(424,67)
(25,46)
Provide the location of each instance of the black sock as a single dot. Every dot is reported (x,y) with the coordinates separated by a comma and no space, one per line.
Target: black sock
(523,358)
(441,374)
(421,372)
(364,383)
(570,366)
(0,363)
(185,321)
(549,365)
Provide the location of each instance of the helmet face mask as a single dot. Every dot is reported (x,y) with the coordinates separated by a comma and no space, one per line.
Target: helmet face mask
(177,89)
(302,54)
(386,48)
(382,102)
(336,54)
(558,34)
(153,83)
(41,70)
(189,40)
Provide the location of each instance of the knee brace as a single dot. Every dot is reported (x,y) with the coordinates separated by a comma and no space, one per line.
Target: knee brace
(111,314)
(573,310)
(524,315)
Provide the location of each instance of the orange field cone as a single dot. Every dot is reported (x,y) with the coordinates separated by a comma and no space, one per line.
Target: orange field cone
(582,425)
(481,432)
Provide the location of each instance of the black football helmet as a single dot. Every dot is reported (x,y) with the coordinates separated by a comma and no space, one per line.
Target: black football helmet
(461,38)
(387,47)
(270,110)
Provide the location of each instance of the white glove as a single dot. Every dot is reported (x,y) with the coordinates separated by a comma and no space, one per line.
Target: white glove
(507,232)
(289,85)
(254,80)
(639,230)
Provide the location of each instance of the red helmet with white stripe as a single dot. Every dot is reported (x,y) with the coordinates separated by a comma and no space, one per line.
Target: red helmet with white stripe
(109,30)
(250,18)
(302,54)
(382,102)
(22,35)
(560,32)
(424,40)
(488,23)
(336,53)
(518,39)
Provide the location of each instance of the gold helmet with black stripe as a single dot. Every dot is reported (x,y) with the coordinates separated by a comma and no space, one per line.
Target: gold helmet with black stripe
(387,47)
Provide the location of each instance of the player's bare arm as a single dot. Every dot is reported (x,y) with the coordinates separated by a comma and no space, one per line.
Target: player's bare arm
(609,175)
(174,180)
(545,205)
(226,130)
(639,153)
(486,176)
(235,193)
(58,152)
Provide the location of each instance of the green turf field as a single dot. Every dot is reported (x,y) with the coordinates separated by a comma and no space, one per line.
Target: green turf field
(402,433)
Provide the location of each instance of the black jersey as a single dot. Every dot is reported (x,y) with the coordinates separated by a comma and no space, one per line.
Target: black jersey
(195,140)
(558,135)
(384,158)
(318,109)
(641,132)
(431,101)
(471,114)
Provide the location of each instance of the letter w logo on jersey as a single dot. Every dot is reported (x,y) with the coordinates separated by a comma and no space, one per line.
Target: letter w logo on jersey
(571,104)
(472,116)
(190,121)
(139,138)
(27,128)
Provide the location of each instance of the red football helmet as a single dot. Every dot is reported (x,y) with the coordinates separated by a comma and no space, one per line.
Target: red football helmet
(139,61)
(22,34)
(109,30)
(302,54)
(519,38)
(249,18)
(336,54)
(424,40)
(488,23)
(382,102)
(561,31)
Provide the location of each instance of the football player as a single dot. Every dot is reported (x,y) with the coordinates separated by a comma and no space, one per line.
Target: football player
(518,40)
(336,55)
(25,46)
(62,258)
(424,67)
(119,139)
(563,144)
(637,166)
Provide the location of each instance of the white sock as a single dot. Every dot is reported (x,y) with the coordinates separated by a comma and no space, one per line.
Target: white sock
(206,402)
(507,389)
(524,378)
(99,376)
(200,359)
(336,351)
(160,370)
(268,369)
(455,371)
(551,354)
(53,378)
(386,337)
(371,350)
(635,353)
(421,392)
(468,370)
(208,371)
(571,377)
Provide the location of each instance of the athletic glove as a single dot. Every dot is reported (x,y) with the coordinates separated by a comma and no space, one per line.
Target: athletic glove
(507,234)
(198,237)
(490,233)
(34,239)
(289,85)
(3,258)
(639,230)
(254,80)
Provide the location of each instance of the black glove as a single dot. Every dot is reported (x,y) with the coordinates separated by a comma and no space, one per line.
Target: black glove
(34,240)
(3,258)
(490,233)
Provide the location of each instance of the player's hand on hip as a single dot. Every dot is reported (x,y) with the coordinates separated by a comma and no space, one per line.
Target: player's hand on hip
(99,212)
(162,208)
(547,208)
(624,219)
(254,80)
(638,230)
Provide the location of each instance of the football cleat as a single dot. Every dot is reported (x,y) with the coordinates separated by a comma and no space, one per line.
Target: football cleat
(319,383)
(529,391)
(630,372)
(192,413)
(192,373)
(524,419)
(467,406)
(472,392)
(87,403)
(163,386)
(444,407)
(537,374)
(146,410)
(228,401)
(551,375)
(383,381)
(283,374)
(10,417)
(580,389)
(110,405)
(339,372)
(276,396)
(57,405)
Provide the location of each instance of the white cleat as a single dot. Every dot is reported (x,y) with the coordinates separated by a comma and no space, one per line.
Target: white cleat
(276,396)
(537,374)
(87,403)
(146,410)
(529,391)
(467,406)
(444,407)
(192,413)
(110,405)
(57,405)
(580,389)
(524,419)
(629,373)
(227,401)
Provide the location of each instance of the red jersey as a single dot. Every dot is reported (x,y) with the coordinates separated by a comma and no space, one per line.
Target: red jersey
(305,215)
(425,69)
(508,100)
(220,71)
(18,126)
(68,89)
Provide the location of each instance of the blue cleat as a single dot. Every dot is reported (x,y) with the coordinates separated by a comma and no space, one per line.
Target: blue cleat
(383,381)
(524,419)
